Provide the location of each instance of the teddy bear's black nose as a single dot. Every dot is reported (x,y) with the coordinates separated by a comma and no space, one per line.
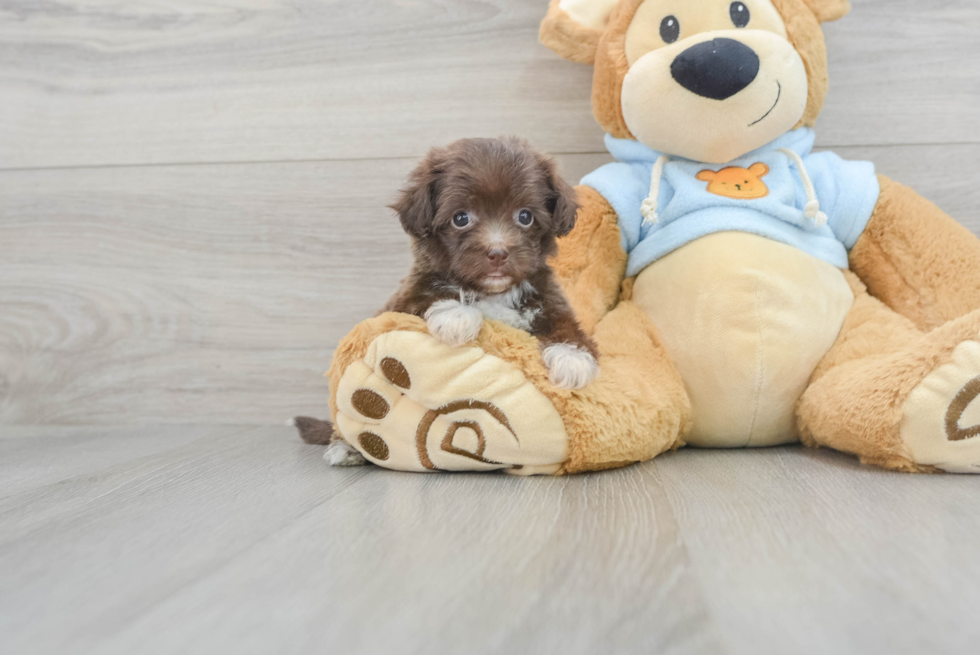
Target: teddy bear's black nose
(716,69)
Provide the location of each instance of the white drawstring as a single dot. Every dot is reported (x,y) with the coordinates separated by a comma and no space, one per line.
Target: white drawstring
(649,206)
(812,209)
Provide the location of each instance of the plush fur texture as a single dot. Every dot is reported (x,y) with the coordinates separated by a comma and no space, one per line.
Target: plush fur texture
(911,336)
(591,263)
(611,67)
(828,10)
(856,395)
(607,425)
(803,31)
(569,38)
(576,43)
(918,260)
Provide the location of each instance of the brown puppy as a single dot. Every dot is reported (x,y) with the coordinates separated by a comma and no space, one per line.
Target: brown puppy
(483,215)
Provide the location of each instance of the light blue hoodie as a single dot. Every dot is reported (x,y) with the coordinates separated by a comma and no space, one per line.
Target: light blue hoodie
(847,192)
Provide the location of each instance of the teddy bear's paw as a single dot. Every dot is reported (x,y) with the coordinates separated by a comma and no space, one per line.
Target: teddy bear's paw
(941,421)
(414,403)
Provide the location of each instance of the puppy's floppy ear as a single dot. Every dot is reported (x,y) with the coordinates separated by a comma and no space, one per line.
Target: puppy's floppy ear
(416,204)
(562,202)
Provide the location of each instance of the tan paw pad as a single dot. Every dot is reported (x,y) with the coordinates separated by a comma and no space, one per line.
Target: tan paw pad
(416,404)
(941,424)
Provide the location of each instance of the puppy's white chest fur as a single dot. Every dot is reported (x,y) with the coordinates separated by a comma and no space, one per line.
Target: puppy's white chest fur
(507,307)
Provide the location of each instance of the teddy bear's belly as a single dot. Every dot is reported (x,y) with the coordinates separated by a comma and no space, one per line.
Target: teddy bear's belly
(746,320)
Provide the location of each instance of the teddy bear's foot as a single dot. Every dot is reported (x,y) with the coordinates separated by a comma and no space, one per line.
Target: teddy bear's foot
(413,403)
(941,416)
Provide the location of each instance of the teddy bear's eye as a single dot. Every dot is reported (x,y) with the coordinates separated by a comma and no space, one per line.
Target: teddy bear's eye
(739,13)
(670,29)
(461,219)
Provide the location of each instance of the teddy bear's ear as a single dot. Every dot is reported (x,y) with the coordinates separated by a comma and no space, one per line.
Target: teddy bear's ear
(572,27)
(759,169)
(706,175)
(828,10)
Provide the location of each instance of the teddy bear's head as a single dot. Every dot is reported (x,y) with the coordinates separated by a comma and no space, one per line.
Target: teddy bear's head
(708,80)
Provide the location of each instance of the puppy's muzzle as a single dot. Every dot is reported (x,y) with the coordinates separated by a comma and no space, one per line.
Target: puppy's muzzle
(716,69)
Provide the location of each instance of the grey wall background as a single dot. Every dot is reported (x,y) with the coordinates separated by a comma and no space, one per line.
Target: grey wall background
(192,194)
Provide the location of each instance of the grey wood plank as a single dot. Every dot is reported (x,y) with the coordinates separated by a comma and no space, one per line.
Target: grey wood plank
(191,80)
(255,80)
(249,543)
(168,294)
(183,294)
(254,545)
(903,71)
(87,554)
(807,552)
(35,456)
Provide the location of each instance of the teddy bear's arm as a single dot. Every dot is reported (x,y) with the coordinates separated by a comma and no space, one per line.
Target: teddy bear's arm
(918,260)
(591,264)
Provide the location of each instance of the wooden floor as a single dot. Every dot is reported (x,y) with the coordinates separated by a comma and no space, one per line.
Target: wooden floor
(192,213)
(241,540)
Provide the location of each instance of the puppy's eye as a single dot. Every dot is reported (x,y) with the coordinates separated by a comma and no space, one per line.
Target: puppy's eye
(461,219)
(739,13)
(670,29)
(525,218)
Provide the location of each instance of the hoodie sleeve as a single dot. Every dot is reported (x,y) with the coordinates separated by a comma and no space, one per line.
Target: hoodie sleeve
(848,192)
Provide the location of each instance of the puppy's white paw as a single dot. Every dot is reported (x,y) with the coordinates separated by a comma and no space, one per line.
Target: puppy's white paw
(569,366)
(339,453)
(454,323)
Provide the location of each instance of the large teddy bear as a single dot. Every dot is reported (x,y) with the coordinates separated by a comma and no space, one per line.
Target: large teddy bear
(742,290)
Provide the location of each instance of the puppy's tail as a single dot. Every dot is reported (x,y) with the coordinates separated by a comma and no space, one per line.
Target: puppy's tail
(312,430)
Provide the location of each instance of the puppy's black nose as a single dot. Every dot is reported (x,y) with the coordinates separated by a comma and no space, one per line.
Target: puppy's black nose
(497,257)
(716,69)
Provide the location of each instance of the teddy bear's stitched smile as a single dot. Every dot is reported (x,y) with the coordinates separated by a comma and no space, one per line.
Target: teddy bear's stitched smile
(779,93)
